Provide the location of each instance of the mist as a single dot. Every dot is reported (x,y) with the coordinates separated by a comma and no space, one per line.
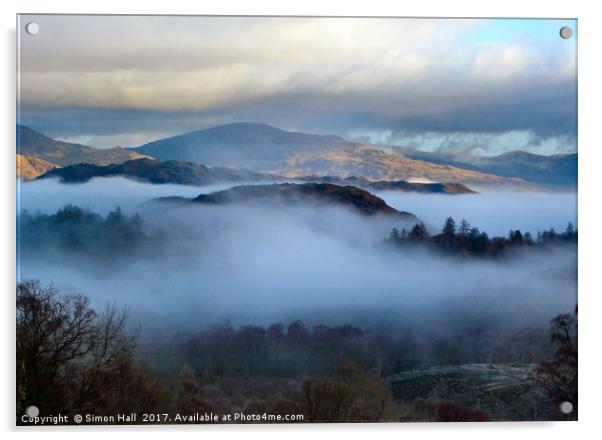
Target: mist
(100,194)
(493,212)
(262,263)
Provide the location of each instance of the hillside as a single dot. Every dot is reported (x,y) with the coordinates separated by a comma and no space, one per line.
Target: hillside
(376,164)
(155,171)
(189,173)
(267,149)
(292,193)
(32,143)
(393,185)
(308,194)
(30,167)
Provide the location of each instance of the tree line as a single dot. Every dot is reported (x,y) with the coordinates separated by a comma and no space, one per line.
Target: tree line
(72,359)
(466,240)
(73,229)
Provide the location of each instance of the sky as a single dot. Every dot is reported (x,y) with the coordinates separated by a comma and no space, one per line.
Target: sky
(480,86)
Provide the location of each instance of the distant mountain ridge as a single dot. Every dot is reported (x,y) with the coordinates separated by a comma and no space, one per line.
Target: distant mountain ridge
(263,149)
(556,169)
(33,143)
(267,149)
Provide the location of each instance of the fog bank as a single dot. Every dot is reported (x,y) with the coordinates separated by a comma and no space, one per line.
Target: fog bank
(493,212)
(260,264)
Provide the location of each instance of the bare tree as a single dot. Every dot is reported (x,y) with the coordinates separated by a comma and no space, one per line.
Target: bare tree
(70,358)
(558,376)
(52,334)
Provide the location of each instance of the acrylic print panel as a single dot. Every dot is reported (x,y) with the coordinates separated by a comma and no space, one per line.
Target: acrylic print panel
(295,220)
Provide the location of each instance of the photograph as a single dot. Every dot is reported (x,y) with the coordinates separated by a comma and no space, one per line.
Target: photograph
(295,220)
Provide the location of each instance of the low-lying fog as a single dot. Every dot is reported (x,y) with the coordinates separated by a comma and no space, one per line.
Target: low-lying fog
(255,264)
(100,195)
(495,212)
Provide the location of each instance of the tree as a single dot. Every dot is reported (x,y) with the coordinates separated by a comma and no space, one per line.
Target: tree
(464,229)
(449,227)
(114,217)
(297,332)
(570,229)
(515,237)
(53,334)
(558,376)
(352,395)
(275,332)
(570,234)
(549,236)
(125,386)
(71,358)
(418,232)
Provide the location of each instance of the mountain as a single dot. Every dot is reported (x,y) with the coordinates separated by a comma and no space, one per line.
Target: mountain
(557,169)
(244,144)
(30,167)
(32,143)
(267,149)
(156,171)
(294,194)
(393,185)
(376,164)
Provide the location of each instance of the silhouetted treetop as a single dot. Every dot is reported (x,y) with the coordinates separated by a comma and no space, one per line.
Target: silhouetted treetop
(470,241)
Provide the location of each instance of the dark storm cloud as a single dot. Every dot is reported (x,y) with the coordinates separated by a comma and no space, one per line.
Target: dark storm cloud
(128,80)
(546,112)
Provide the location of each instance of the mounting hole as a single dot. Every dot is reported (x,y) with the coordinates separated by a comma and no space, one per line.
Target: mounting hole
(32,28)
(566,32)
(32,411)
(566,407)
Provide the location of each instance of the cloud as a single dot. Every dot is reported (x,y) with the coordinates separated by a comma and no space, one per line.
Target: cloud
(321,74)
(199,63)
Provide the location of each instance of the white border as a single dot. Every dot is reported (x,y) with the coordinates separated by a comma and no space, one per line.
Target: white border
(590,189)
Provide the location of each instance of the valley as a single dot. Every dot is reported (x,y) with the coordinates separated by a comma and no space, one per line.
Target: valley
(305,264)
